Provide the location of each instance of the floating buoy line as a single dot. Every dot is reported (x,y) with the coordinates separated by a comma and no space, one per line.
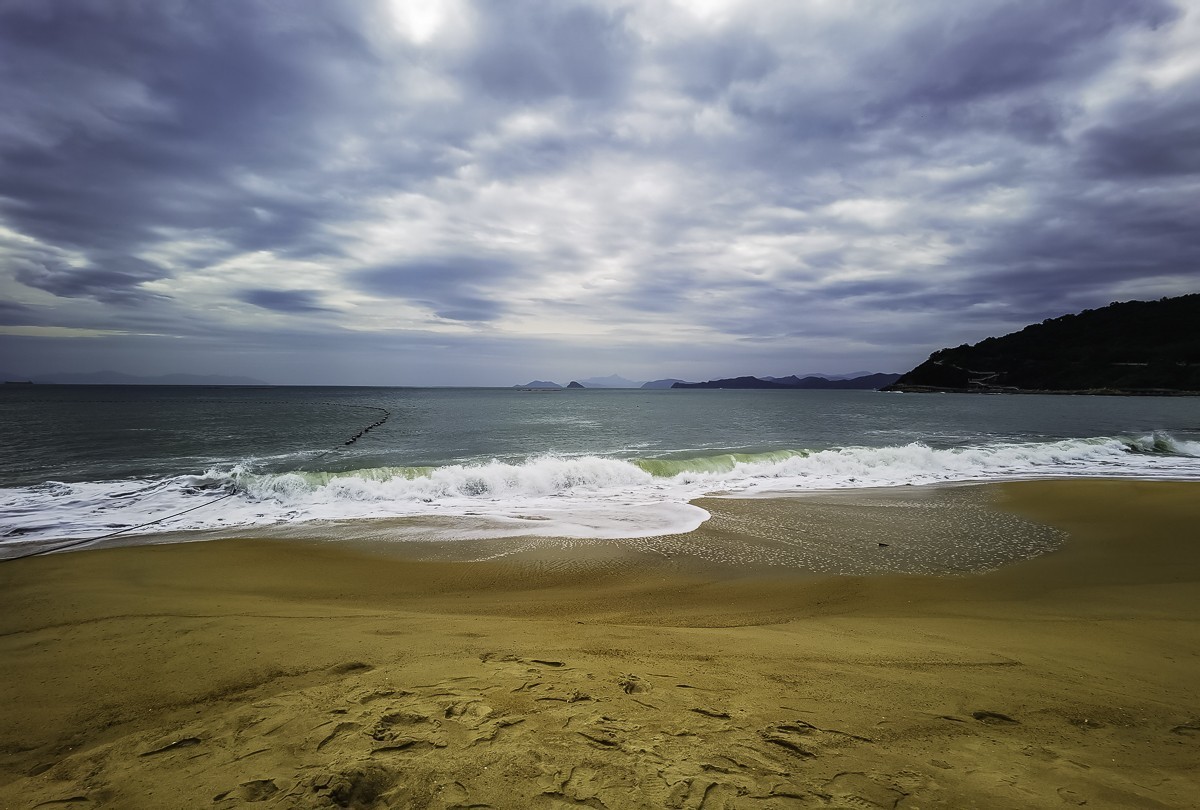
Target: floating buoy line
(377,423)
(386,414)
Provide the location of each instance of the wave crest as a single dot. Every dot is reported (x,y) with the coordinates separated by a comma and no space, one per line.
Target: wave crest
(1153,455)
(540,476)
(571,497)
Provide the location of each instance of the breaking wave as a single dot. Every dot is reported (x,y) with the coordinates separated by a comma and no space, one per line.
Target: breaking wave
(589,496)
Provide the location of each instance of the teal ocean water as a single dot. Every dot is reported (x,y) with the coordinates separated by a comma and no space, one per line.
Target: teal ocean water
(87,461)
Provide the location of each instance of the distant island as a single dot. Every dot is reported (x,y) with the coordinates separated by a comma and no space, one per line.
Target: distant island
(864,381)
(1130,348)
(118,378)
(545,385)
(867,382)
(611,381)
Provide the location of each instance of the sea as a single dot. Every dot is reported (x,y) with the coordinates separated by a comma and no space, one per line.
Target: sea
(85,464)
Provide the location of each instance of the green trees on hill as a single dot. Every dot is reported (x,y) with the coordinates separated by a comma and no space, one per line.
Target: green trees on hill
(1128,347)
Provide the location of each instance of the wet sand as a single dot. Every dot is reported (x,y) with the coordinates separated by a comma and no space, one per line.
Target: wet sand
(701,671)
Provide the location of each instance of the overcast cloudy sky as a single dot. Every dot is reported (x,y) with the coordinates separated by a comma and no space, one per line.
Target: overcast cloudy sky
(426,192)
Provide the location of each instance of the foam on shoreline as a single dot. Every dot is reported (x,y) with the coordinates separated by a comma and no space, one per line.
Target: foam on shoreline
(584,497)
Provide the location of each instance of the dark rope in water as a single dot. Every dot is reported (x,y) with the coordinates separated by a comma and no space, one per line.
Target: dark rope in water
(86,540)
(386,416)
(75,543)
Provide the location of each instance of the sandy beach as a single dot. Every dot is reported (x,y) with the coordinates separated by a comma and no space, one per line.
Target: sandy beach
(696,671)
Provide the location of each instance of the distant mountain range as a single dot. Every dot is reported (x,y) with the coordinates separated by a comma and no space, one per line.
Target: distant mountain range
(1134,347)
(863,381)
(793,377)
(866,382)
(117,378)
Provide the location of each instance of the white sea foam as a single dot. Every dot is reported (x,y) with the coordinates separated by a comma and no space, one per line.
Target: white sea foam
(585,497)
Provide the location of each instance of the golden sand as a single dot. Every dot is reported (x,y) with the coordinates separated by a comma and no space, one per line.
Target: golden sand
(701,671)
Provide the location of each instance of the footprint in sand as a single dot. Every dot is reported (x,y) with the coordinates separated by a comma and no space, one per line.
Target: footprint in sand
(355,787)
(1190,729)
(1071,797)
(632,685)
(257,790)
(338,729)
(694,794)
(859,790)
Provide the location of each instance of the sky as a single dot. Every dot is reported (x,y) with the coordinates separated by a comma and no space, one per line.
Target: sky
(385,192)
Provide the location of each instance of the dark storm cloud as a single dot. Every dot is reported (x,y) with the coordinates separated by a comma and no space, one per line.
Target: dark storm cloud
(114,281)
(128,118)
(1012,72)
(456,288)
(949,68)
(1076,252)
(963,55)
(1156,136)
(661,289)
(285,300)
(707,64)
(537,49)
(12,314)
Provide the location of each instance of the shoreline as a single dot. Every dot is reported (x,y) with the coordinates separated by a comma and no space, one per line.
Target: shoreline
(910,388)
(402,534)
(318,674)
